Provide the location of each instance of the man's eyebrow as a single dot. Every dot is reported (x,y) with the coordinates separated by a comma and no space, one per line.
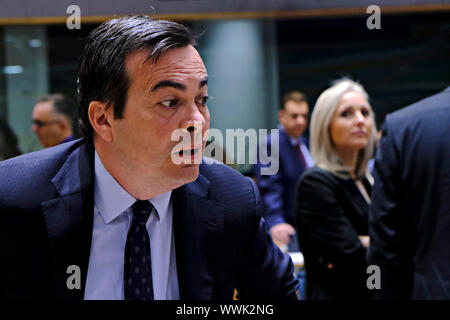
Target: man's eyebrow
(203,82)
(168,83)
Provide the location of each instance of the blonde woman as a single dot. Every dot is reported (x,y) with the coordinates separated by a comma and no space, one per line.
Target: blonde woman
(333,197)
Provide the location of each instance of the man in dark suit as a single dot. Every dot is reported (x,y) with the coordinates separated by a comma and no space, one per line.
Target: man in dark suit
(409,218)
(278,190)
(115,215)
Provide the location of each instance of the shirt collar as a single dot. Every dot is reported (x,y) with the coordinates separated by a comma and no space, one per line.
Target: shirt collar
(293,141)
(161,204)
(111,199)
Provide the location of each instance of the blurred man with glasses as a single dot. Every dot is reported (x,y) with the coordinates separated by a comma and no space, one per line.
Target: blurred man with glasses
(52,120)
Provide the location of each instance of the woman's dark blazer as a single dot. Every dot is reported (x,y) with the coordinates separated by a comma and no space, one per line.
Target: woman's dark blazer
(331,213)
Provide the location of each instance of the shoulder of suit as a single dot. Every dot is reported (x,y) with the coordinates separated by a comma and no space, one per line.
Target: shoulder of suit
(31,173)
(214,169)
(422,110)
(317,174)
(421,121)
(225,182)
(45,158)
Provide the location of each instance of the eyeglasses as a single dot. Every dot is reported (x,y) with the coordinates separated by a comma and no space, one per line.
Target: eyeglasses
(40,123)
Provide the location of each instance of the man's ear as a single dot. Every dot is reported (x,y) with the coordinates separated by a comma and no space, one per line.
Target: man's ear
(64,123)
(100,116)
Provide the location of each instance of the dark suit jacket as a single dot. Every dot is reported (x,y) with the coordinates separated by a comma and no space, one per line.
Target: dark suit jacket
(278,190)
(46,210)
(410,212)
(331,213)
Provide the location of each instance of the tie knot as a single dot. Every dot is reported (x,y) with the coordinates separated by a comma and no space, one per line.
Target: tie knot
(141,211)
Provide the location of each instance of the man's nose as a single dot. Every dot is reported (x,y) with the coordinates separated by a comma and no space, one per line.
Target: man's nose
(192,128)
(195,127)
(194,119)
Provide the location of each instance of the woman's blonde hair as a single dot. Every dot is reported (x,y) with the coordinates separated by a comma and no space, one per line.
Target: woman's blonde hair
(321,145)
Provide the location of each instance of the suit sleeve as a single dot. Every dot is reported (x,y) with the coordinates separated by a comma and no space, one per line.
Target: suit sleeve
(321,217)
(271,188)
(267,273)
(385,228)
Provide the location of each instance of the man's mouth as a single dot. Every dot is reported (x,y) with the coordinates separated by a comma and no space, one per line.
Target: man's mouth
(189,152)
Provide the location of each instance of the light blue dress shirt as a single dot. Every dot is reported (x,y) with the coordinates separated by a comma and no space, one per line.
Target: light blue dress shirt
(112,219)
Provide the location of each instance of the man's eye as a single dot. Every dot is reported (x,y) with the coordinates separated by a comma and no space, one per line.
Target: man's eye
(169,103)
(204,100)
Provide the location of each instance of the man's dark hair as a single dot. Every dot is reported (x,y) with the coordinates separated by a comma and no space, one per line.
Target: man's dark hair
(295,96)
(61,104)
(101,72)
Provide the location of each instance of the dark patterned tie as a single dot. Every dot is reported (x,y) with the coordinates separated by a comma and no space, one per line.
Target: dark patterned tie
(138,283)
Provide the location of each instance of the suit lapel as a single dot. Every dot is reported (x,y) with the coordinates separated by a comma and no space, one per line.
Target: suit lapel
(198,225)
(69,221)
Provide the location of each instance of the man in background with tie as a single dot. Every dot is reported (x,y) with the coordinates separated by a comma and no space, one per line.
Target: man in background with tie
(278,190)
(113,215)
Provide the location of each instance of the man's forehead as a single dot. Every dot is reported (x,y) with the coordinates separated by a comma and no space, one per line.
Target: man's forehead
(178,63)
(44,107)
(296,107)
